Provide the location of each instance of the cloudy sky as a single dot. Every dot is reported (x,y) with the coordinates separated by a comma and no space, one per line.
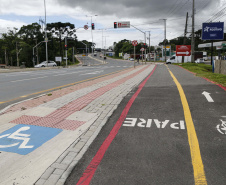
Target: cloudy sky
(146,15)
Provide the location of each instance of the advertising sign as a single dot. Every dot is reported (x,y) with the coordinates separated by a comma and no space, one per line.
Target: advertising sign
(58,59)
(183,50)
(168,50)
(124,24)
(213,31)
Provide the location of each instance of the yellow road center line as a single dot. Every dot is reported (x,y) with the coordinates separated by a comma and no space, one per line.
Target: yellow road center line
(198,167)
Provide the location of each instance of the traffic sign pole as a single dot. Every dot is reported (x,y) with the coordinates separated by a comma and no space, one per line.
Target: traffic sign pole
(134,57)
(134,44)
(142,57)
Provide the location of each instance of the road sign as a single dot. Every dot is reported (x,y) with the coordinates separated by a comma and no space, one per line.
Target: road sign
(23,139)
(213,31)
(142,49)
(183,50)
(86,27)
(134,42)
(124,24)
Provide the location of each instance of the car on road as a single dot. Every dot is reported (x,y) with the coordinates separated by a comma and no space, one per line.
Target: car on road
(131,59)
(44,64)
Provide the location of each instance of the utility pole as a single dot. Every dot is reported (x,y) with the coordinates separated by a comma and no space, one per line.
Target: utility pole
(185,33)
(149,47)
(193,32)
(165,37)
(17,55)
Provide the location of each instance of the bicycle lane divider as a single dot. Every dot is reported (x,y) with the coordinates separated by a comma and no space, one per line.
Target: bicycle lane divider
(198,167)
(90,170)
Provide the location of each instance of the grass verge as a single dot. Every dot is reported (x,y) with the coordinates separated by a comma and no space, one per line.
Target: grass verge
(205,71)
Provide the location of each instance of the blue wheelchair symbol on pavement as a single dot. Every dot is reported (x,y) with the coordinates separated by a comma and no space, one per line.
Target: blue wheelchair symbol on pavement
(23,139)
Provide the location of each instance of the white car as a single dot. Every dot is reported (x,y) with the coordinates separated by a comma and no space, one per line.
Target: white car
(131,59)
(44,64)
(199,60)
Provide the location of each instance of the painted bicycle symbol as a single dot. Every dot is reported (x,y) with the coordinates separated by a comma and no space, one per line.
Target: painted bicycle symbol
(222,127)
(18,136)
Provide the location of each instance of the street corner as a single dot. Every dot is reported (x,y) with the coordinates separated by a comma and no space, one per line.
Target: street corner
(23,139)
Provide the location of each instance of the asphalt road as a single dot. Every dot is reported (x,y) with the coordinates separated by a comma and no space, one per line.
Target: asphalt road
(172,134)
(17,86)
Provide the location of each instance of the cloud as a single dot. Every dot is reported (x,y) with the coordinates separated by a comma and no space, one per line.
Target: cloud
(138,9)
(143,14)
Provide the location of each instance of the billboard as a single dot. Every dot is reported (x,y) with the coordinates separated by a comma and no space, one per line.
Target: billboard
(168,51)
(183,50)
(213,31)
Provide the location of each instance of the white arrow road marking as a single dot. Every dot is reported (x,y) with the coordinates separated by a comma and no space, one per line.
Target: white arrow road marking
(208,97)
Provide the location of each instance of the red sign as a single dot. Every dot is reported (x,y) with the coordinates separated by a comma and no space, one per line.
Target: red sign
(142,49)
(183,50)
(86,27)
(134,42)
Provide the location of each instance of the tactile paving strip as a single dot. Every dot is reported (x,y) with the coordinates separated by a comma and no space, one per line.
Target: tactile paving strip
(25,119)
(57,118)
(69,124)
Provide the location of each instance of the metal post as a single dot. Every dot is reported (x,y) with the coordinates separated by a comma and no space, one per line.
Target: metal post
(73,55)
(193,32)
(46,39)
(66,49)
(212,53)
(33,56)
(145,47)
(142,57)
(134,57)
(92,35)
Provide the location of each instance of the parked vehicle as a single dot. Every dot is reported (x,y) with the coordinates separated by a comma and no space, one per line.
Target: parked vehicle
(178,59)
(199,60)
(44,64)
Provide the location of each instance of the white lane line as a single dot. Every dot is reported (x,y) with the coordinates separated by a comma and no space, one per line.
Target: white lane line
(29,79)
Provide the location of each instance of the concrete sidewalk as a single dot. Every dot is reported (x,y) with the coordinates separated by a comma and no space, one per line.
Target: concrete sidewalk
(73,115)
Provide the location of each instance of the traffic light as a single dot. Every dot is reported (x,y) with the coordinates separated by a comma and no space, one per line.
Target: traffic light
(144,45)
(115,24)
(93,26)
(65,46)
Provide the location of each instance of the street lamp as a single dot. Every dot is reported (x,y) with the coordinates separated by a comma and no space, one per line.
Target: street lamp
(91,31)
(46,39)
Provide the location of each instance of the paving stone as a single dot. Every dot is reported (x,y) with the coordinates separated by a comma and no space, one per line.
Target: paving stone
(40,182)
(52,180)
(67,160)
(47,173)
(59,166)
(58,171)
